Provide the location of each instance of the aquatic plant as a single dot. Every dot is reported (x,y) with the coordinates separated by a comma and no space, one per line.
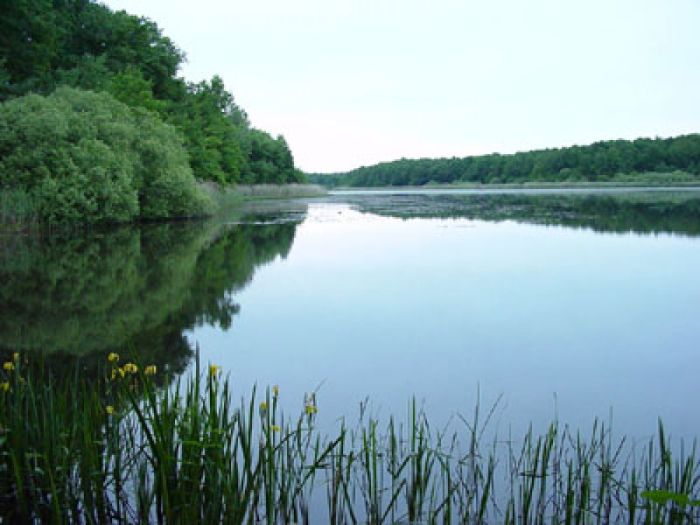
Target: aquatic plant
(121,449)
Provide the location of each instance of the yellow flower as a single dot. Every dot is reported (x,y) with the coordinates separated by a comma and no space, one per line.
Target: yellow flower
(113,357)
(276,390)
(130,368)
(15,357)
(150,370)
(214,370)
(5,386)
(118,372)
(8,365)
(109,409)
(310,403)
(275,428)
(263,406)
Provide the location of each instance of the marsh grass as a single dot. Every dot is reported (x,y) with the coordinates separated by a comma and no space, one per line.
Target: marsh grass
(120,449)
(230,199)
(280,191)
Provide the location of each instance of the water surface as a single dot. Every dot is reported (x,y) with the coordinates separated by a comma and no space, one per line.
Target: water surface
(563,304)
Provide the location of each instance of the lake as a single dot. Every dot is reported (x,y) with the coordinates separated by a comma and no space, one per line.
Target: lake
(545,303)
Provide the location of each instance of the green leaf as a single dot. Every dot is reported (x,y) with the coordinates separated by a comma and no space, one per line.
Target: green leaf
(664,496)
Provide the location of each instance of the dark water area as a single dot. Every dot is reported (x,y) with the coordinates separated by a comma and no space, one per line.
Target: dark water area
(559,304)
(133,290)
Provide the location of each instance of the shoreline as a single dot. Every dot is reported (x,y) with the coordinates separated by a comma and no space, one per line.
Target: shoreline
(24,220)
(525,186)
(229,198)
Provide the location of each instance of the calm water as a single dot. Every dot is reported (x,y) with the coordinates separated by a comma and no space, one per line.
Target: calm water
(563,304)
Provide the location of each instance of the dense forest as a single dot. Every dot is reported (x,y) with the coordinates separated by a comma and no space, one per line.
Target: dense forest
(61,148)
(658,160)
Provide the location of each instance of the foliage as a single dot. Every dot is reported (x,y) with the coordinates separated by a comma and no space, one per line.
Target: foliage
(84,156)
(270,160)
(214,131)
(663,497)
(222,146)
(83,44)
(42,39)
(131,88)
(599,162)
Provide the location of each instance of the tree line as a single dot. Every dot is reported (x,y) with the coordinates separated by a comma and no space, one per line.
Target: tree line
(52,51)
(615,160)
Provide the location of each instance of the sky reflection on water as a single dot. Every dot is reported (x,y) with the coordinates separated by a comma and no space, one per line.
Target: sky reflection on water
(558,321)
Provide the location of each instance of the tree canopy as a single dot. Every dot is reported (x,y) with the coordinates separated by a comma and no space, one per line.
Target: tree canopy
(46,44)
(602,161)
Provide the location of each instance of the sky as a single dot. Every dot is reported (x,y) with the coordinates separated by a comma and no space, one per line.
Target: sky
(355,82)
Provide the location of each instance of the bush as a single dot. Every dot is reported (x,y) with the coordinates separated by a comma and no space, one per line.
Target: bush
(84,156)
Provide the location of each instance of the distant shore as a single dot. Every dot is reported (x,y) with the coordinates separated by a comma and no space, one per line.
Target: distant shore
(524,185)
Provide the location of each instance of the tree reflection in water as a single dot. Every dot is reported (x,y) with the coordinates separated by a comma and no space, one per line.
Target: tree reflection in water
(133,291)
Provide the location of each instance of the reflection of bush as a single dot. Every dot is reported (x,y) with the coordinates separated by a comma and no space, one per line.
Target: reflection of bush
(88,293)
(654,212)
(131,290)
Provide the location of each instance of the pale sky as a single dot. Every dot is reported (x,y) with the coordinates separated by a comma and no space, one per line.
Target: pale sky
(355,82)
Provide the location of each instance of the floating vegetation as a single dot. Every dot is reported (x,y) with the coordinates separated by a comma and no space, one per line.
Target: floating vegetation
(615,210)
(120,449)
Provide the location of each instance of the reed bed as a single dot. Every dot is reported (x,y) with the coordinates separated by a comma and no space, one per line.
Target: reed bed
(280,191)
(120,448)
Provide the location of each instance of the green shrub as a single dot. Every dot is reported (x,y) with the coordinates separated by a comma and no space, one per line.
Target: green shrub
(84,156)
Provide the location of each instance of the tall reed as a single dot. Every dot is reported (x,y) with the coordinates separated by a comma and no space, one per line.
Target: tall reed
(119,448)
